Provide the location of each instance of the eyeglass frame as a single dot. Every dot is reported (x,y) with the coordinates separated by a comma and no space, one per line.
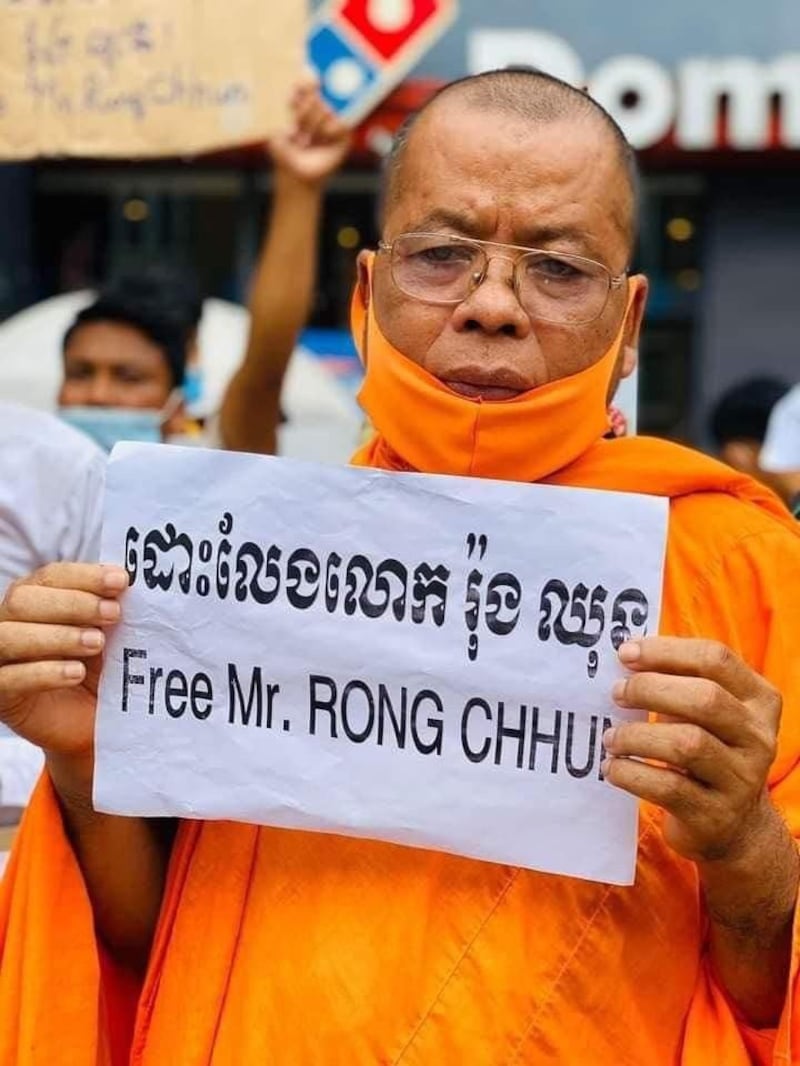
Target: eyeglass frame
(614,280)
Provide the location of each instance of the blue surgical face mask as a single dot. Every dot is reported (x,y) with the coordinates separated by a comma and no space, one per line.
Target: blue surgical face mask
(108,425)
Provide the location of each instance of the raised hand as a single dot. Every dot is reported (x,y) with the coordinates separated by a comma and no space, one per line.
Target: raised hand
(319,141)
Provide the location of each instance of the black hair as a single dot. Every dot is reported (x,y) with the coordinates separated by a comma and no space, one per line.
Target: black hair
(742,412)
(159,303)
(533,95)
(173,288)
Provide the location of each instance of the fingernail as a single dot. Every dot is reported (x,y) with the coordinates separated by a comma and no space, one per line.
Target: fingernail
(92,638)
(608,738)
(629,653)
(115,580)
(618,690)
(109,610)
(73,671)
(605,766)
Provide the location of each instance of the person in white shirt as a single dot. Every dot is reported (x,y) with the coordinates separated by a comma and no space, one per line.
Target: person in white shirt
(51,481)
(51,485)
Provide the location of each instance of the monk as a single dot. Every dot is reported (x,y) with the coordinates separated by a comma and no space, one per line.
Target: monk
(494,320)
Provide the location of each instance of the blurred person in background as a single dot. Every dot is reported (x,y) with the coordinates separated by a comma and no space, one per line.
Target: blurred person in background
(124,364)
(176,289)
(738,423)
(780,456)
(131,360)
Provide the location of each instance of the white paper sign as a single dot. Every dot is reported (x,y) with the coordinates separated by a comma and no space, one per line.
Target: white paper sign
(417,659)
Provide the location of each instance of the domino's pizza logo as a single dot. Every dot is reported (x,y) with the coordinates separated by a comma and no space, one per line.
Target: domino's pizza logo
(345,74)
(361,49)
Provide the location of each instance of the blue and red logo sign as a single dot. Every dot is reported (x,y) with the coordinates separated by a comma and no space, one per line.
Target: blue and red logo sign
(361,49)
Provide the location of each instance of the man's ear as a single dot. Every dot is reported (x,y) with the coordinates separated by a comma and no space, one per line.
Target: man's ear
(176,423)
(630,360)
(364,283)
(363,279)
(639,288)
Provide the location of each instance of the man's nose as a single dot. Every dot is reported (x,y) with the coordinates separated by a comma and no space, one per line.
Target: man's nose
(492,306)
(101,391)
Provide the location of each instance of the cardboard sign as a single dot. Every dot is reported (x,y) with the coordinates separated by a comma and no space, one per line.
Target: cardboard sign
(362,49)
(417,659)
(144,77)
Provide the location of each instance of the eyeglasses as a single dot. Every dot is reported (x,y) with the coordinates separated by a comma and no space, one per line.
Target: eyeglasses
(439,268)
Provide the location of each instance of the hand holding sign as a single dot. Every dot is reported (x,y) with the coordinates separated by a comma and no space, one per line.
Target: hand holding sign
(712,756)
(714,751)
(52,632)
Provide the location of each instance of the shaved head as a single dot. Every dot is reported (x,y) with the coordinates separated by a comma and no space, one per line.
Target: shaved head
(534,97)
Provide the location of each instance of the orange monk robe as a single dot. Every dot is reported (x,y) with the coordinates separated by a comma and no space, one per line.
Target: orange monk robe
(295,948)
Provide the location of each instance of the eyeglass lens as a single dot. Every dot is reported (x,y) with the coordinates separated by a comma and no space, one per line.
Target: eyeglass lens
(551,286)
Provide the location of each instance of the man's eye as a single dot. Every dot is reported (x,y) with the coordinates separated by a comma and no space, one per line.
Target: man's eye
(128,376)
(445,253)
(556,269)
(77,372)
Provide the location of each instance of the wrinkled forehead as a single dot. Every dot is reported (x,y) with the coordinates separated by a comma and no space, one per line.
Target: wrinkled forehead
(513,179)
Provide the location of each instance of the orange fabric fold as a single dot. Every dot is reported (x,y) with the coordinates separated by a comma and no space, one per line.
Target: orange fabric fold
(298,948)
(47,1008)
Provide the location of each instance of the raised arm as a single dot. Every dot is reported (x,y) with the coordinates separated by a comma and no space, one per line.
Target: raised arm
(282,287)
(52,633)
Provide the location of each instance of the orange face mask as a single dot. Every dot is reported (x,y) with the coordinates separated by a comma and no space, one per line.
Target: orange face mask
(429,428)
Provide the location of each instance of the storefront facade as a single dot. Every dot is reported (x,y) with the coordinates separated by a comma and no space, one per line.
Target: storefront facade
(709,94)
